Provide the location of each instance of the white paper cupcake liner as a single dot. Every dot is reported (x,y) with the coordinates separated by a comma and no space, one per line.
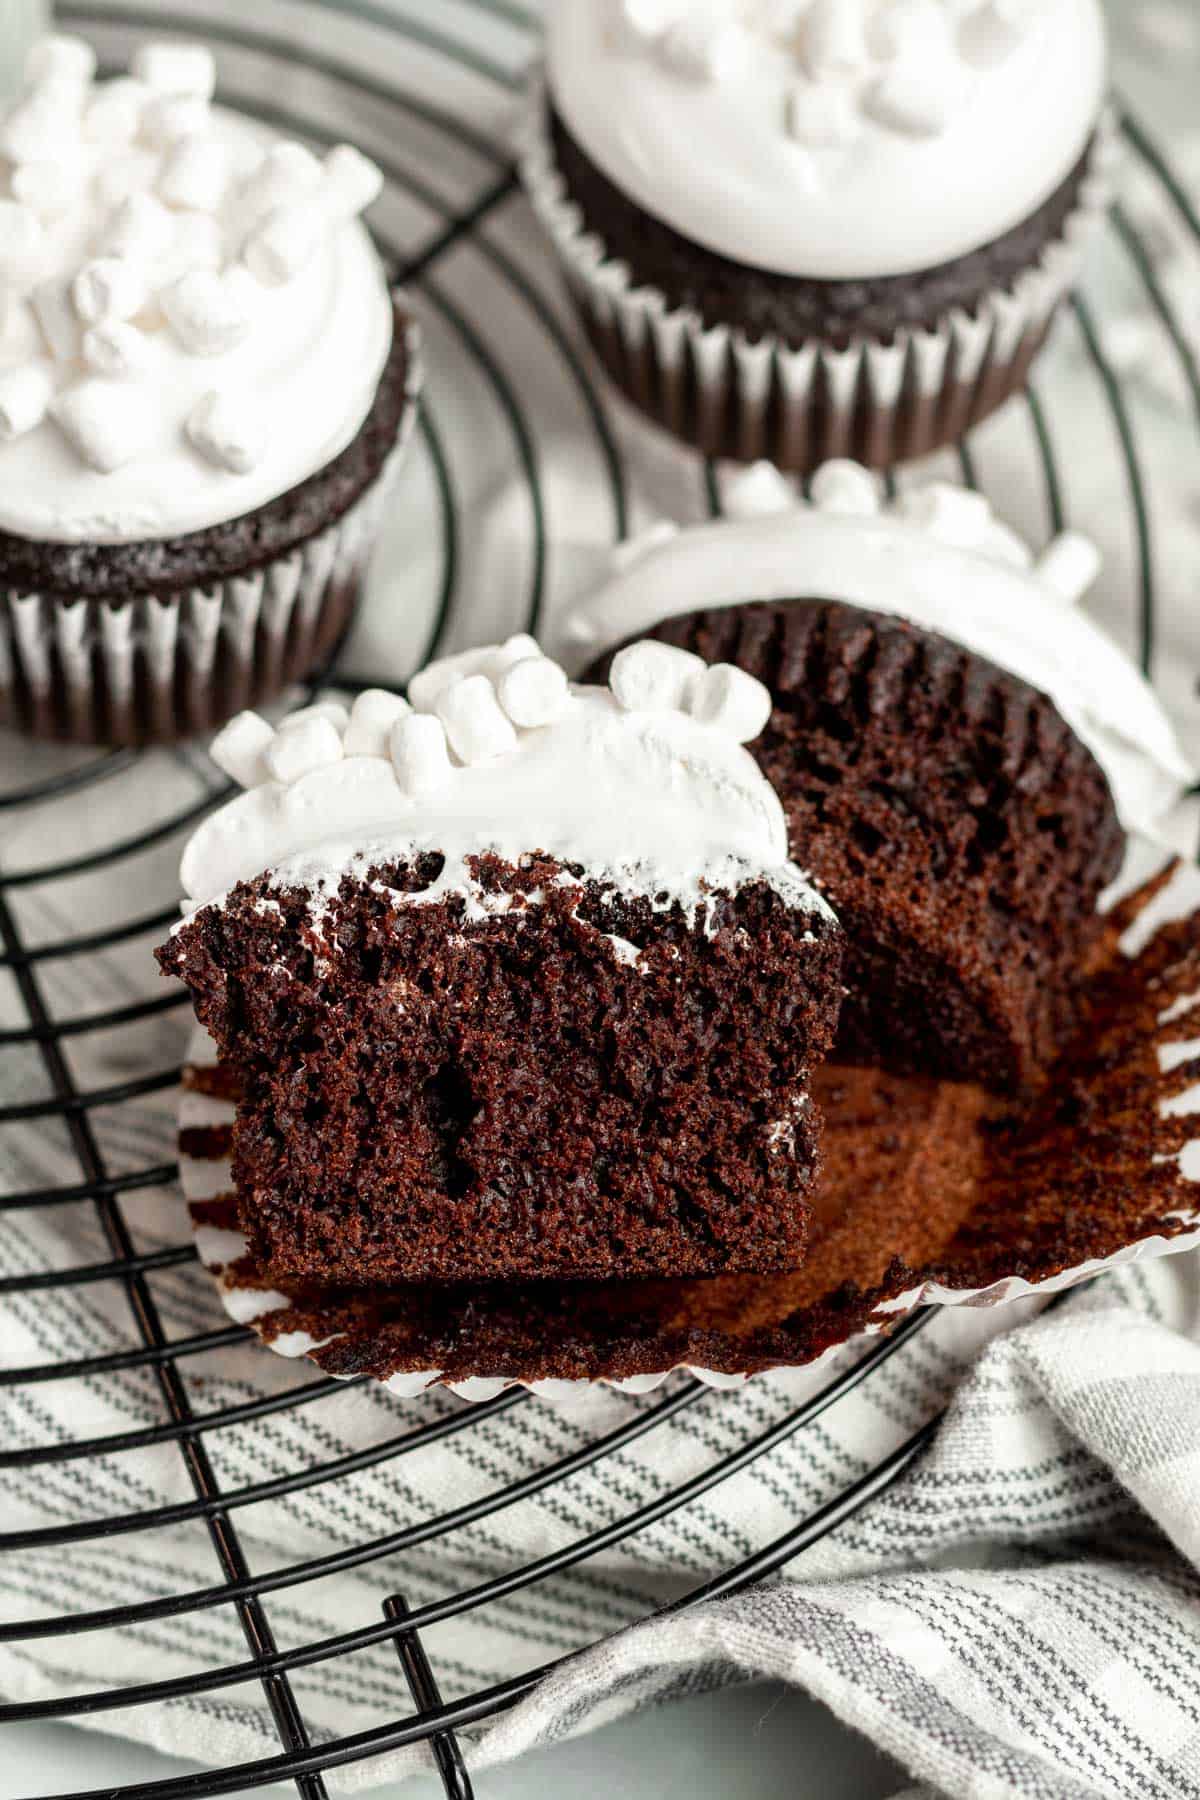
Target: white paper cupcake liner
(1163,1212)
(150,669)
(800,405)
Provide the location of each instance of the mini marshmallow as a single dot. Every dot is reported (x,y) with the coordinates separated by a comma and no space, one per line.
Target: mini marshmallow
(653,677)
(841,486)
(914,98)
(238,749)
(313,744)
(170,118)
(953,515)
(333,710)
(116,348)
(60,58)
(176,69)
(1069,565)
(25,396)
(989,35)
(350,181)
(139,228)
(822,116)
(910,28)
(57,319)
(107,422)
(22,244)
(757,492)
(475,726)
(195,174)
(731,701)
(120,177)
(109,287)
(704,48)
(209,313)
(113,114)
(36,128)
(286,172)
(197,243)
(226,432)
(49,188)
(533,692)
(834,38)
(490,660)
(417,744)
(280,246)
(371,720)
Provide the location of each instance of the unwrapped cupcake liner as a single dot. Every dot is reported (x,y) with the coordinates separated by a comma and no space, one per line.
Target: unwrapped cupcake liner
(153,669)
(800,405)
(1050,1221)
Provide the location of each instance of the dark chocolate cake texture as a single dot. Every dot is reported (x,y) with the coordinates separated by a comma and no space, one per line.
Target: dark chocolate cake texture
(516,978)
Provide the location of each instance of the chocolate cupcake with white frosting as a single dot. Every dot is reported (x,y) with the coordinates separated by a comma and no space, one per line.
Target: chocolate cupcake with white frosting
(204,383)
(802,231)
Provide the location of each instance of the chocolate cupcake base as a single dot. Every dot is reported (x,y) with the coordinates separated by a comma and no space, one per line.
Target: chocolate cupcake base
(132,644)
(889,380)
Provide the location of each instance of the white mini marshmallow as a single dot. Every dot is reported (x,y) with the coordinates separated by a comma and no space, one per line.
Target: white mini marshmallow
(140,228)
(49,188)
(704,47)
(953,515)
(286,172)
(57,319)
(372,717)
(417,743)
(334,710)
(226,431)
(39,126)
(121,176)
(653,677)
(176,69)
(731,701)
(842,486)
(171,118)
(311,744)
(284,242)
(475,726)
(822,116)
(533,692)
(25,396)
(107,422)
(989,35)
(834,38)
(60,58)
(757,492)
(197,243)
(116,348)
(238,749)
(22,244)
(488,659)
(108,287)
(910,28)
(1069,565)
(113,114)
(350,181)
(195,174)
(209,313)
(914,98)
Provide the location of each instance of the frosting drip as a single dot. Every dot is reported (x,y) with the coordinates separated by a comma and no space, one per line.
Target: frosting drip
(194,319)
(831,138)
(644,785)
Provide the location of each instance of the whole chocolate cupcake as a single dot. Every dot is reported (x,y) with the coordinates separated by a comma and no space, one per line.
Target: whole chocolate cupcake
(937,740)
(204,380)
(801,232)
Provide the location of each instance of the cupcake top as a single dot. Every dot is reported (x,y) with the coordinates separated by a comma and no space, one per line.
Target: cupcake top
(195,319)
(936,557)
(831,138)
(643,784)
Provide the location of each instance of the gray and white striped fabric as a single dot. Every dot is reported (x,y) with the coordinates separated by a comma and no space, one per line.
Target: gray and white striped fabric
(1020,1613)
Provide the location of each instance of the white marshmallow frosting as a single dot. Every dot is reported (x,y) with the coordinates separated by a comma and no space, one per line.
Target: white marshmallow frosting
(646,784)
(936,557)
(193,318)
(831,138)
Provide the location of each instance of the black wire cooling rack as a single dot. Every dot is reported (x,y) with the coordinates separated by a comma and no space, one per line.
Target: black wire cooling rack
(456,187)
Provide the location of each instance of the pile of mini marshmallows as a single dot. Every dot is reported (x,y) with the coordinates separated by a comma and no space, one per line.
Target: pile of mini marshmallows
(128,182)
(471,708)
(903,64)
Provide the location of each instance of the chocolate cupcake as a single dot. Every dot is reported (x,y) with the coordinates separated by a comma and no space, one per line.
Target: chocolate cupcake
(943,736)
(516,981)
(807,232)
(204,384)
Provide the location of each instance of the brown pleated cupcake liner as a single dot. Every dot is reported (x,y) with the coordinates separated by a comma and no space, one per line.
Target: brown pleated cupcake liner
(934,1193)
(152,669)
(800,405)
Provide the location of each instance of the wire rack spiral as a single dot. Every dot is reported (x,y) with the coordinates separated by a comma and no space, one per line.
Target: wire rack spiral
(451,192)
